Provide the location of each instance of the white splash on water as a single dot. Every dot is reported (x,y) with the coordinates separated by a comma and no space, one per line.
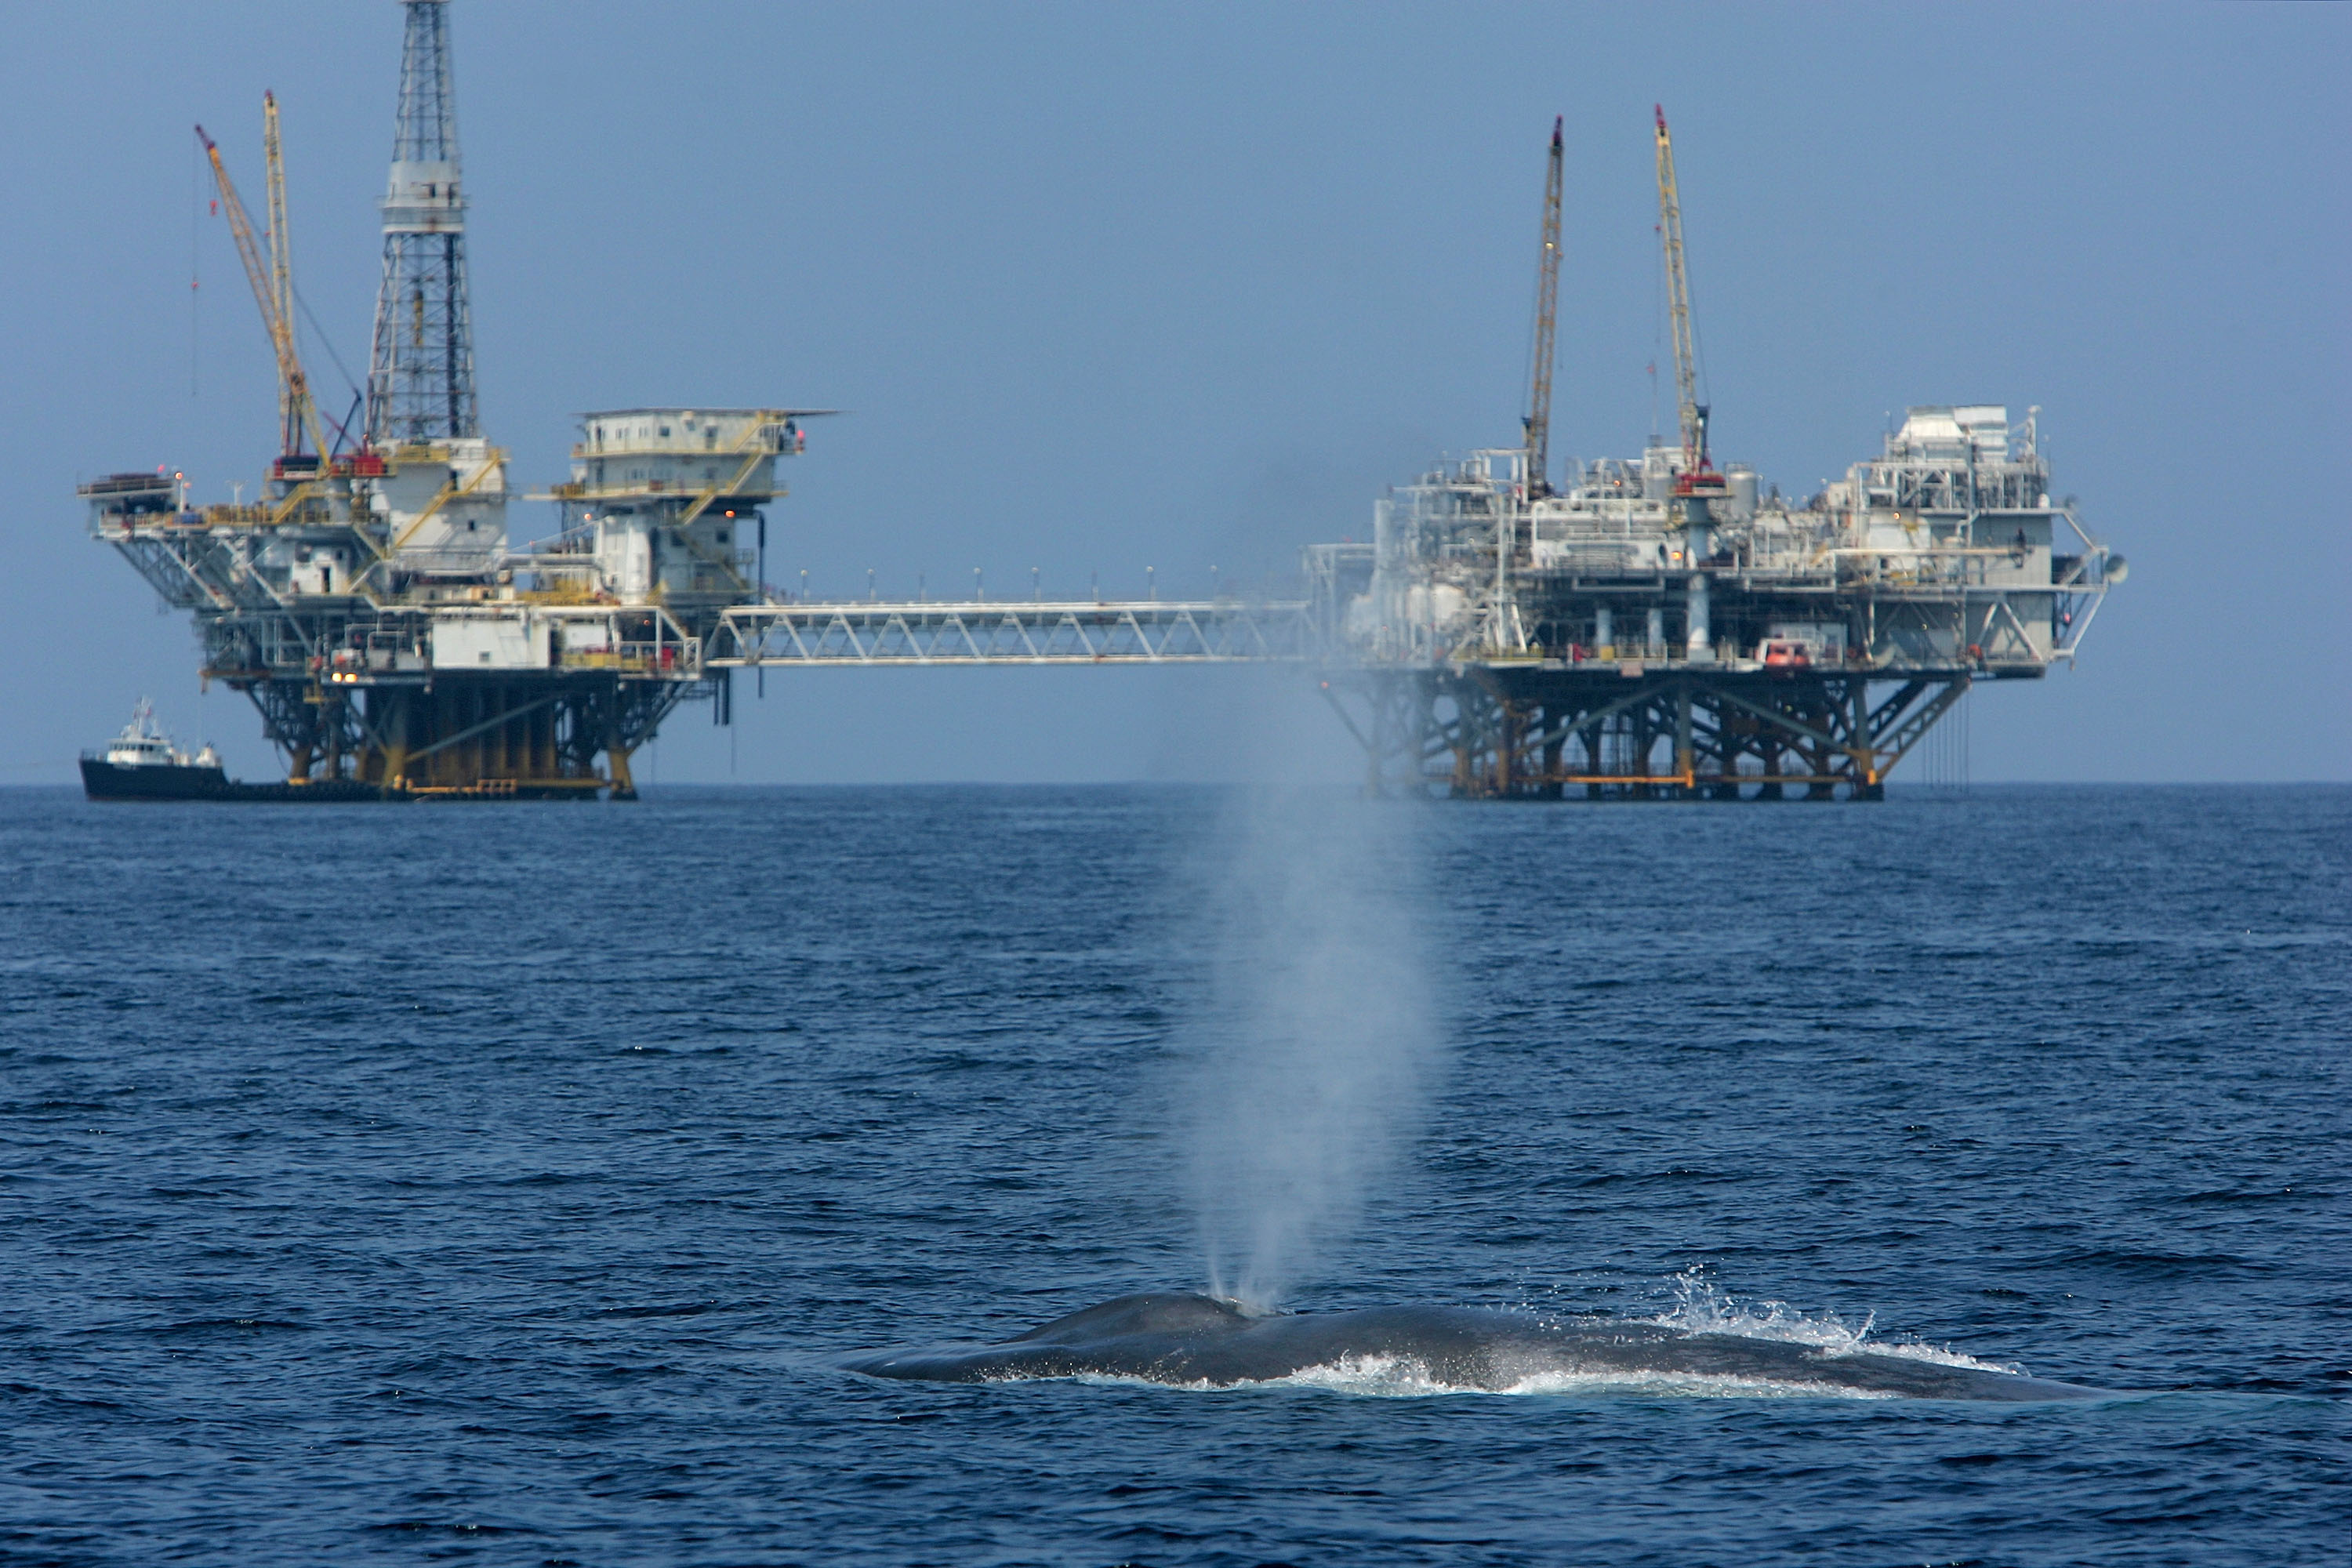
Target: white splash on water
(1393,1377)
(1314,1055)
(1701,1308)
(1403,1377)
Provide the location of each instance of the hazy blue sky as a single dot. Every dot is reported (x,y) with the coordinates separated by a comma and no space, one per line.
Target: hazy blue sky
(1110,286)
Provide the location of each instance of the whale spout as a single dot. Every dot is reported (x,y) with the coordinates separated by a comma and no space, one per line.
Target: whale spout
(1187,1339)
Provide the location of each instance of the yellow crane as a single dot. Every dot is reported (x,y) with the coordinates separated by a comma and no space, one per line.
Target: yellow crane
(1538,424)
(281,265)
(1670,230)
(294,386)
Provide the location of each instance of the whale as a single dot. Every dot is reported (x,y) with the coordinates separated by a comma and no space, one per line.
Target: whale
(1195,1340)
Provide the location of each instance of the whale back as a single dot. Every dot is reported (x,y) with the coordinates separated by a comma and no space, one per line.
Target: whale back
(1154,1312)
(1198,1340)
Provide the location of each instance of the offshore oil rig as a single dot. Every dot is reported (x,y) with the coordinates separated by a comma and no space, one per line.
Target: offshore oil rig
(1653,629)
(1656,628)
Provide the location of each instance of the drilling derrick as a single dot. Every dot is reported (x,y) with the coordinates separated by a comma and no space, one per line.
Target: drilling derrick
(421,368)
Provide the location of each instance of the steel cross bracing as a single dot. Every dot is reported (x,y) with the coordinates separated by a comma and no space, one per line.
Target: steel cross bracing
(1498,732)
(976,632)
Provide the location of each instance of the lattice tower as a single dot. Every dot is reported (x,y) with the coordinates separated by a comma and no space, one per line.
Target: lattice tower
(421,370)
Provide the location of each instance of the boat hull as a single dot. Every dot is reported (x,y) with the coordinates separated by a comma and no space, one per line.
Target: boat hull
(102,780)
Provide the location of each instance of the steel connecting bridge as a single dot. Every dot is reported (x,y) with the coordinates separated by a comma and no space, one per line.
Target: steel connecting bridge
(1219,631)
(1653,630)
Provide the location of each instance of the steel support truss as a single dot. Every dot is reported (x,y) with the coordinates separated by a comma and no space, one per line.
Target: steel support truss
(523,734)
(1518,732)
(970,632)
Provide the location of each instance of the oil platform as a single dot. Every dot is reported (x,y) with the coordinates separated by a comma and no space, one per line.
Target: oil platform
(400,644)
(1655,629)
(370,604)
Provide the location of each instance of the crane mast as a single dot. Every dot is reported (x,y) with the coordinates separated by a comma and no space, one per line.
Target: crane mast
(1538,425)
(281,266)
(1670,230)
(260,275)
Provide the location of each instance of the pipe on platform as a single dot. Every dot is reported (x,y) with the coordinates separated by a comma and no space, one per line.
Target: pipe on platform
(1700,644)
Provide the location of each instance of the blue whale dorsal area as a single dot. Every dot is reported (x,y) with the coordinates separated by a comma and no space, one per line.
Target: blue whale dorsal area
(1198,1340)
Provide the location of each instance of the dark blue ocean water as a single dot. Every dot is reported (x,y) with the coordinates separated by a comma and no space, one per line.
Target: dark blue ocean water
(501,1185)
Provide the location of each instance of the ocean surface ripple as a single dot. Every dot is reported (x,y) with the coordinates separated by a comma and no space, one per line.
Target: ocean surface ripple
(511,1184)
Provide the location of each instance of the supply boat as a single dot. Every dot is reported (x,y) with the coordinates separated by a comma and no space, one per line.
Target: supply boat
(141,763)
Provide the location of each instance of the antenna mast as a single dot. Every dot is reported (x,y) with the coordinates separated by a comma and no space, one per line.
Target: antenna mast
(421,367)
(1538,425)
